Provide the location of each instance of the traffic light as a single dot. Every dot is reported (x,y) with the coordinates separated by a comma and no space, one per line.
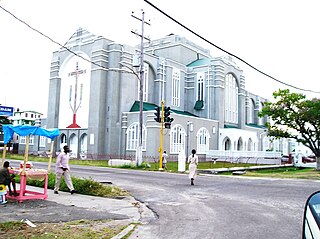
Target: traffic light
(167,120)
(158,114)
(166,113)
(167,124)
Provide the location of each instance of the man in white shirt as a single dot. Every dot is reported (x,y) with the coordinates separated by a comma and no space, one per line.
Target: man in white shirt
(62,168)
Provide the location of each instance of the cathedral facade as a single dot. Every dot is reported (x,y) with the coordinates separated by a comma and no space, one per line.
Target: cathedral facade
(94,99)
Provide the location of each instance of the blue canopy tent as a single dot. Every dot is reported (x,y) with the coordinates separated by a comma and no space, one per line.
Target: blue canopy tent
(27,130)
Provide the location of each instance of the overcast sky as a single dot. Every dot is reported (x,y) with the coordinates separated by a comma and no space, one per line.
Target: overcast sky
(279,38)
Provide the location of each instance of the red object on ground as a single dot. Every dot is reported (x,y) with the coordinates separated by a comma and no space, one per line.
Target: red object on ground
(25,194)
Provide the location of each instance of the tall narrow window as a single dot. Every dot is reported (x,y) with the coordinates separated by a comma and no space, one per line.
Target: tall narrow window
(42,141)
(31,139)
(250,111)
(145,82)
(175,87)
(265,143)
(231,99)
(177,139)
(203,137)
(260,119)
(133,137)
(200,86)
(227,144)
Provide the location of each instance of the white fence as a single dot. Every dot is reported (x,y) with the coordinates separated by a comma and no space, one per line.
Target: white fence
(255,157)
(242,154)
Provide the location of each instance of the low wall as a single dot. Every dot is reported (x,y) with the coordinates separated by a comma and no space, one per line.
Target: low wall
(119,162)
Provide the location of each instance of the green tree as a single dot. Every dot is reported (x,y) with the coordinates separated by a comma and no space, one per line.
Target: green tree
(294,116)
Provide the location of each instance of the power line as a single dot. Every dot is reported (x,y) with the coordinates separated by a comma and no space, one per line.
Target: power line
(44,35)
(193,32)
(229,53)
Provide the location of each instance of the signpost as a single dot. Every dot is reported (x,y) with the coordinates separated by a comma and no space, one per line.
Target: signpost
(6,111)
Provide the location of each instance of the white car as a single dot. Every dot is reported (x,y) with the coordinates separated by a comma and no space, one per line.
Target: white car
(311,218)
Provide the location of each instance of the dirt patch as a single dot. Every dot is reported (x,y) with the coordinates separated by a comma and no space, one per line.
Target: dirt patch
(75,229)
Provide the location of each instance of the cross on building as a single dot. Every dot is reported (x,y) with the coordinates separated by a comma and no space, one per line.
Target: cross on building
(75,105)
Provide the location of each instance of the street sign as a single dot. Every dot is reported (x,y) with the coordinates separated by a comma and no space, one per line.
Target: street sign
(6,111)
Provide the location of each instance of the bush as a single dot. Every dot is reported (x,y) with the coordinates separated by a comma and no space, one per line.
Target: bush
(82,186)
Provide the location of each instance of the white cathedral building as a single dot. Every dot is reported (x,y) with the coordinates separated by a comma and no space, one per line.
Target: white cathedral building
(94,99)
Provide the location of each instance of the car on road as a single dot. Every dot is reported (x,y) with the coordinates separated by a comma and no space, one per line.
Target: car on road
(284,158)
(309,159)
(311,217)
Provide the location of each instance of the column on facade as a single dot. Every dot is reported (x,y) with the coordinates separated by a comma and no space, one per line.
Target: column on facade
(218,84)
(54,97)
(113,99)
(98,92)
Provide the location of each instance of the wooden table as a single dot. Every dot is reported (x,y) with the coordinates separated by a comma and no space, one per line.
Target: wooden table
(24,193)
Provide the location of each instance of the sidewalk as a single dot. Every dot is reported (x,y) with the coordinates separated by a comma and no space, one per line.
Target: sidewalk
(65,207)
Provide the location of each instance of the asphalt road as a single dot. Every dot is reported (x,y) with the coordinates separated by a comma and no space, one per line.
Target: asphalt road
(216,207)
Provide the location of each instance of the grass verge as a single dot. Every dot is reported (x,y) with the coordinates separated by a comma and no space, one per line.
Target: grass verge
(288,172)
(81,229)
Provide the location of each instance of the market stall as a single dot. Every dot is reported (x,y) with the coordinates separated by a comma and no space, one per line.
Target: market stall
(25,171)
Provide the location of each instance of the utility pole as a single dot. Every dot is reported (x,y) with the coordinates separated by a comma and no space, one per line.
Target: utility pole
(141,81)
(161,135)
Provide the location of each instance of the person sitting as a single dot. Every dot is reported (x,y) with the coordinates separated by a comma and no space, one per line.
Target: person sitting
(7,179)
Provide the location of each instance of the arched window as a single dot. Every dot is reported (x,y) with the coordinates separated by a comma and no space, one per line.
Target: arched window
(203,137)
(175,87)
(63,141)
(266,143)
(239,144)
(227,144)
(231,99)
(250,145)
(145,82)
(285,147)
(276,144)
(83,143)
(200,86)
(133,137)
(73,145)
(177,139)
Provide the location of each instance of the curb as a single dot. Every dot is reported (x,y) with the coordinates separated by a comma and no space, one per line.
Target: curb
(124,232)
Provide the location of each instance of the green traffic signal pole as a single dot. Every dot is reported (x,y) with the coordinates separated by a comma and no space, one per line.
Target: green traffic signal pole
(161,135)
